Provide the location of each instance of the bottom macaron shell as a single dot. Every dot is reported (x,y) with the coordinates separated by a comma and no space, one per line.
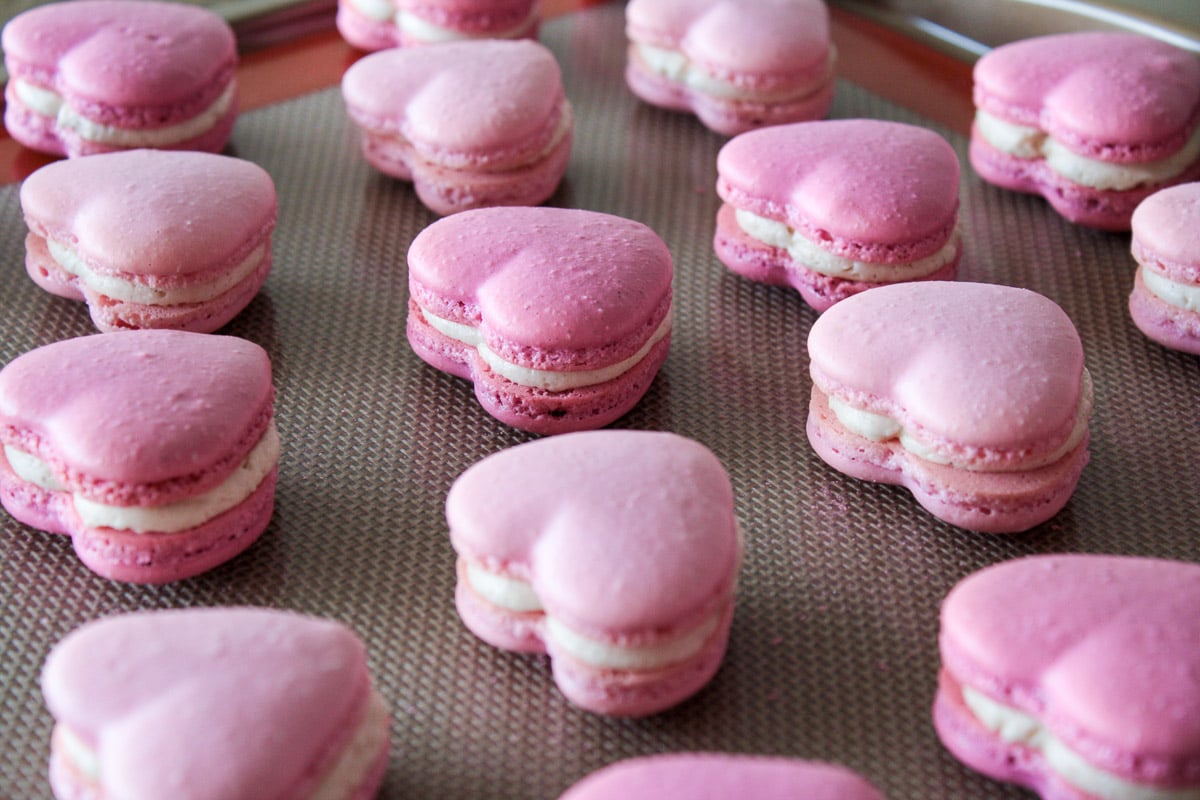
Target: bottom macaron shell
(989,502)
(536,410)
(1170,326)
(1102,209)
(752,259)
(448,191)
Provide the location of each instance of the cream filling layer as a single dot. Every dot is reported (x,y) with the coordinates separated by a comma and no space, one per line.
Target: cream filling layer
(132,292)
(519,596)
(1174,293)
(49,103)
(678,68)
(1017,727)
(881,427)
(803,251)
(1024,142)
(170,518)
(548,380)
(425,31)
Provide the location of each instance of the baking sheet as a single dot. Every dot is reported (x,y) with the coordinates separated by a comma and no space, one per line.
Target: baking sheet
(833,650)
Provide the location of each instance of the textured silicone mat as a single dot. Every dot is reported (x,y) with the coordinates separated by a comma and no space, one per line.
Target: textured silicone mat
(833,652)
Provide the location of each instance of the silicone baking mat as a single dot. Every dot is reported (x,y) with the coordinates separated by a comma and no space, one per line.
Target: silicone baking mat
(833,651)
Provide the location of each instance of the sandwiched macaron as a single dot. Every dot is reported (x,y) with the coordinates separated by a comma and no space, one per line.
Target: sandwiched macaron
(720,776)
(1165,301)
(1094,122)
(560,317)
(93,76)
(471,124)
(155,451)
(736,64)
(1077,676)
(616,552)
(151,238)
(973,396)
(379,24)
(214,704)
(836,207)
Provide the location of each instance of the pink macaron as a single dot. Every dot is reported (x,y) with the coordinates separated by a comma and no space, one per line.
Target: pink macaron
(616,552)
(379,24)
(973,396)
(560,317)
(720,776)
(214,704)
(151,238)
(155,451)
(93,76)
(836,207)
(1077,676)
(1094,122)
(471,124)
(1165,301)
(735,64)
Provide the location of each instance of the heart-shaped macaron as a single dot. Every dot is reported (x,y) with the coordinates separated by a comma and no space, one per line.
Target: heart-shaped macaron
(91,76)
(614,551)
(721,776)
(560,317)
(974,396)
(1076,675)
(471,124)
(736,64)
(214,704)
(1094,122)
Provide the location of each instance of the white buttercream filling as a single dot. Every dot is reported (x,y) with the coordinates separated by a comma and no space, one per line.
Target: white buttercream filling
(519,596)
(170,518)
(378,10)
(1024,142)
(549,380)
(49,103)
(678,68)
(132,292)
(804,251)
(425,31)
(881,427)
(76,752)
(1174,293)
(1017,727)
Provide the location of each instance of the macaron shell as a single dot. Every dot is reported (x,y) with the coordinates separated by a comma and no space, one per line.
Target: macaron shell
(1166,232)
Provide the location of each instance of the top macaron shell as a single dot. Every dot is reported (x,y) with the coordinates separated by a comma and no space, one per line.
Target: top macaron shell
(127,63)
(1166,232)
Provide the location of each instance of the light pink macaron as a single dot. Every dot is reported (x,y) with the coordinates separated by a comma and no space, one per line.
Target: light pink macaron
(616,552)
(1077,676)
(471,124)
(973,396)
(379,24)
(155,451)
(151,238)
(1165,300)
(736,64)
(93,76)
(560,317)
(839,206)
(721,776)
(214,704)
(1094,122)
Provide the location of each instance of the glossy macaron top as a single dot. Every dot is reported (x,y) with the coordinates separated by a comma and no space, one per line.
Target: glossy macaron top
(470,100)
(207,704)
(153,212)
(756,40)
(616,531)
(138,413)
(1166,230)
(1102,649)
(137,53)
(721,776)
(986,374)
(1109,95)
(548,278)
(856,186)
